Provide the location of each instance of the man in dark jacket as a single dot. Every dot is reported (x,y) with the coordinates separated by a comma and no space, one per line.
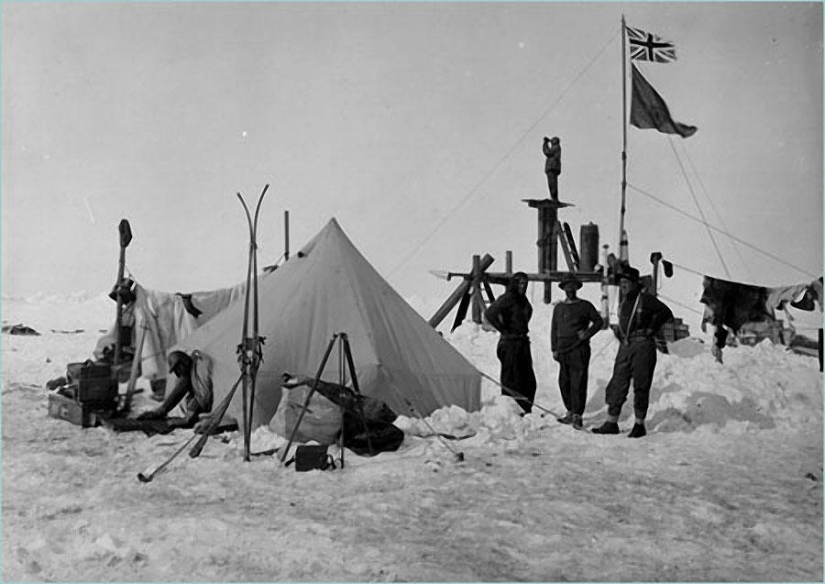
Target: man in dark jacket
(552,166)
(510,315)
(574,322)
(641,315)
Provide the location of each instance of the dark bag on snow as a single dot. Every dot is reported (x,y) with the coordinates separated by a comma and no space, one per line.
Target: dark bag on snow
(377,437)
(311,457)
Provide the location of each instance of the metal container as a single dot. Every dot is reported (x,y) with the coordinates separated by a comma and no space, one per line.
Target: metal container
(589,247)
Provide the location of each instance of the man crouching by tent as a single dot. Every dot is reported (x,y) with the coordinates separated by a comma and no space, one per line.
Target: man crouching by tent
(193,387)
(510,315)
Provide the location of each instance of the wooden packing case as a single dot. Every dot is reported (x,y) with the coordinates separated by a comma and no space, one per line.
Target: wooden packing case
(78,413)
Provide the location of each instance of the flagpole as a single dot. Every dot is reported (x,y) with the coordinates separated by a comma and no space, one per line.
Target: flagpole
(622,239)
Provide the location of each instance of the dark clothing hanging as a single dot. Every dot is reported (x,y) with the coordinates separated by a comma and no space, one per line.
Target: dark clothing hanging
(733,304)
(510,314)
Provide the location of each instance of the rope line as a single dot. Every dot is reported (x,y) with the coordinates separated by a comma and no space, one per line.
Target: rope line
(730,235)
(685,306)
(715,209)
(687,269)
(439,224)
(699,208)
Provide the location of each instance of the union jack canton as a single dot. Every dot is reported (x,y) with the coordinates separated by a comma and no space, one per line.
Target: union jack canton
(645,46)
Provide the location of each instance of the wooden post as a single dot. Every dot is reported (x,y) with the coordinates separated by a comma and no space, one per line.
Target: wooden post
(476,300)
(548,239)
(286,235)
(550,244)
(458,294)
(508,259)
(605,300)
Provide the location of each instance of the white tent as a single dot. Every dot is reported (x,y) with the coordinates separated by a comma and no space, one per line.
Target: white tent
(329,288)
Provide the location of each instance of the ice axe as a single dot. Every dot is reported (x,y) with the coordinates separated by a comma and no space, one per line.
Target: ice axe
(147,475)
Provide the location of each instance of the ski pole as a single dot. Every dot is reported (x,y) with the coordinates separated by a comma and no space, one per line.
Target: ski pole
(459,456)
(147,475)
(215,419)
(516,395)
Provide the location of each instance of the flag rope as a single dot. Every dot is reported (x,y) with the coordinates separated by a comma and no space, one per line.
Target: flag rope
(699,208)
(722,231)
(713,206)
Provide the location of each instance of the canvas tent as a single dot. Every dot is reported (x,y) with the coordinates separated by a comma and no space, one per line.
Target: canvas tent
(328,288)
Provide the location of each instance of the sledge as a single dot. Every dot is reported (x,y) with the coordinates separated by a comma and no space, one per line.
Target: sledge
(165,426)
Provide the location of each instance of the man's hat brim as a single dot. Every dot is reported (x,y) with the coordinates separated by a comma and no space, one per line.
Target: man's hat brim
(568,281)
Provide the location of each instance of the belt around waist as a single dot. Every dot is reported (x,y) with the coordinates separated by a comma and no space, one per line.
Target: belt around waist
(514,337)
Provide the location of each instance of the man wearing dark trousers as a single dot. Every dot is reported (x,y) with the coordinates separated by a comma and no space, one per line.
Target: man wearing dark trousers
(641,315)
(510,315)
(574,322)
(552,164)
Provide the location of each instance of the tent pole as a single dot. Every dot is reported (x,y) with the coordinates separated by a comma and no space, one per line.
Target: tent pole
(342,378)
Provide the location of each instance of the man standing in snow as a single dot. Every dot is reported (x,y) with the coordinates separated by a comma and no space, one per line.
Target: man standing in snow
(552,166)
(641,315)
(510,315)
(574,322)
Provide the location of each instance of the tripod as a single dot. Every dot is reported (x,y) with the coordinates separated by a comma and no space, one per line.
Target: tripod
(344,394)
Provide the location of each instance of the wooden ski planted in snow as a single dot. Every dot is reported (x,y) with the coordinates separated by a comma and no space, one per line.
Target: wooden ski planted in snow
(249,350)
(250,353)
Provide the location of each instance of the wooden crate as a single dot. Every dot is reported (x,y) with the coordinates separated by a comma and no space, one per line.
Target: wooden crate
(65,408)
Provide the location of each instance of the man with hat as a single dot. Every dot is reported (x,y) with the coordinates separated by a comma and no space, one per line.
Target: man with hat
(574,322)
(552,166)
(193,387)
(641,315)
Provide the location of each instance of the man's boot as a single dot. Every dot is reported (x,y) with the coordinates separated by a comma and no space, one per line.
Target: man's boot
(577,422)
(607,428)
(638,431)
(566,419)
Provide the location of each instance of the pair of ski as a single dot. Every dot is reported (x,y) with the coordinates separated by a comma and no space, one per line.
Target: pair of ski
(250,353)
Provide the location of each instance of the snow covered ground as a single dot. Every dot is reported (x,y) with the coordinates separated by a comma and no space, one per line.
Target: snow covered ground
(726,486)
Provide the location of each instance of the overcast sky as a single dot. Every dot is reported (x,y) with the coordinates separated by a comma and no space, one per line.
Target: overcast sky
(417,125)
